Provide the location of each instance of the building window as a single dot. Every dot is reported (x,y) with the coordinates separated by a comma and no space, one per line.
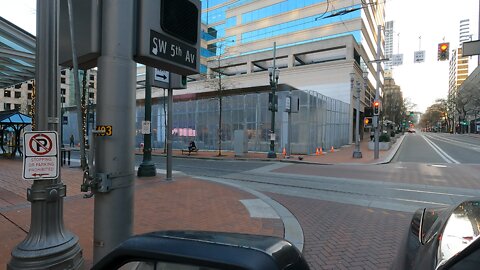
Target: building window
(7,93)
(30,86)
(63,91)
(63,72)
(91,85)
(62,80)
(91,95)
(18,94)
(18,107)
(29,95)
(63,99)
(18,86)
(6,106)
(92,77)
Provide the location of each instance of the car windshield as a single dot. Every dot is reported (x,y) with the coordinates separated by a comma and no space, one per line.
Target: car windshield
(327,123)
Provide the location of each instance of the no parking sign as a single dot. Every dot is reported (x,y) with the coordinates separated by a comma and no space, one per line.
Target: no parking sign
(40,159)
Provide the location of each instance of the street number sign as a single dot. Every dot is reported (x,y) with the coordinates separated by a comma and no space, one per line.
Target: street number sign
(40,159)
(104,130)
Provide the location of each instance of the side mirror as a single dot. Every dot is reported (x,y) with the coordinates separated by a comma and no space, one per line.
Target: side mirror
(195,250)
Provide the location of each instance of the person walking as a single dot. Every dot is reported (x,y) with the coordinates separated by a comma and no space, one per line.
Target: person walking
(72,141)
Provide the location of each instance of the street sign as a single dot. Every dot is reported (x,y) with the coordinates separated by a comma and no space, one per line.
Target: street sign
(168,35)
(471,48)
(40,160)
(146,127)
(419,57)
(165,79)
(397,59)
(161,76)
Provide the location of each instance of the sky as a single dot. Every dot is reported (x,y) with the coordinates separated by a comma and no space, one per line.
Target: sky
(433,20)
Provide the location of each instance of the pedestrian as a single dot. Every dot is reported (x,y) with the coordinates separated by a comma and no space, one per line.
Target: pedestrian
(191,147)
(72,141)
(372,135)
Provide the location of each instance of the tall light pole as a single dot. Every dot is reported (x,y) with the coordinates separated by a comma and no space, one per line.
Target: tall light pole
(356,153)
(376,142)
(48,244)
(273,74)
(147,168)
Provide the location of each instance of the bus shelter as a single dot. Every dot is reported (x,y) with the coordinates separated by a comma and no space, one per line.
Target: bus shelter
(11,125)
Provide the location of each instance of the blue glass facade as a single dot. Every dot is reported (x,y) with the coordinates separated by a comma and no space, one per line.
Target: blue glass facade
(297,25)
(275,9)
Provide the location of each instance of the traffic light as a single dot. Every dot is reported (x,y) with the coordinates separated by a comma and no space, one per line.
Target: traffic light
(368,111)
(443,51)
(376,107)
(367,121)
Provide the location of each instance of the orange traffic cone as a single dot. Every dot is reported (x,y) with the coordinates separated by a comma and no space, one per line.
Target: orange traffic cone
(321,151)
(317,152)
(284,152)
(331,150)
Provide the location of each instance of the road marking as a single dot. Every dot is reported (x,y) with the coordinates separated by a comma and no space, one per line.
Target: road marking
(406,200)
(463,144)
(431,192)
(437,166)
(440,152)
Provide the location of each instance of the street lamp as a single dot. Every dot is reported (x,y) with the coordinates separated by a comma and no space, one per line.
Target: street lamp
(356,153)
(273,74)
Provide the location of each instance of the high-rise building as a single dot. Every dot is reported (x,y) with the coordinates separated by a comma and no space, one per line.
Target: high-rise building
(388,47)
(319,44)
(459,66)
(464,31)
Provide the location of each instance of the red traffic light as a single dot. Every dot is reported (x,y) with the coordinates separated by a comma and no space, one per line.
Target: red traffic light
(443,51)
(376,104)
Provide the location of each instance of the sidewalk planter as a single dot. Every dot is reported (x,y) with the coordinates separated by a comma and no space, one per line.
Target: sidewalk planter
(383,146)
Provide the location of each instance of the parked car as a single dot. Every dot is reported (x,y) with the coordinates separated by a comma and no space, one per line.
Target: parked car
(442,238)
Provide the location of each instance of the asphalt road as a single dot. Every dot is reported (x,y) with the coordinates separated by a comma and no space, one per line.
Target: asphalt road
(439,148)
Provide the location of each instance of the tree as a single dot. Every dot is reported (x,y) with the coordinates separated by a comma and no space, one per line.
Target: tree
(215,81)
(434,115)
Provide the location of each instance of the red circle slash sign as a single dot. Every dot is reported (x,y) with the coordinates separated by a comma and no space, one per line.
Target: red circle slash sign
(40,144)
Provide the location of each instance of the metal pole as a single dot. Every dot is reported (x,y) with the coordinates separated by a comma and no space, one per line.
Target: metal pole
(273,84)
(376,143)
(357,153)
(77,87)
(289,145)
(48,244)
(169,129)
(147,168)
(114,155)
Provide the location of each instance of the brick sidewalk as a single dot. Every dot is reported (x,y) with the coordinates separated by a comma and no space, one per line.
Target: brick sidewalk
(182,204)
(338,156)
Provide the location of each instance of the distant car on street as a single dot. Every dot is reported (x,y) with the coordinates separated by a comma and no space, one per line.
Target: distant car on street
(442,238)
(411,130)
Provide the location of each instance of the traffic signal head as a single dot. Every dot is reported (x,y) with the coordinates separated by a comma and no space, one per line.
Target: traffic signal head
(367,121)
(443,51)
(376,107)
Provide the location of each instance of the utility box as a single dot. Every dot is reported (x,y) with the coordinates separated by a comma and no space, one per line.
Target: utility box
(87,33)
(240,143)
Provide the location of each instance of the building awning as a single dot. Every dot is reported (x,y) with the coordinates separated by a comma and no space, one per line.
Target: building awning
(17,54)
(14,118)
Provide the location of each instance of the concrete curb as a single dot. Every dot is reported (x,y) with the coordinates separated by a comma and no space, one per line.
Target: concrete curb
(293,230)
